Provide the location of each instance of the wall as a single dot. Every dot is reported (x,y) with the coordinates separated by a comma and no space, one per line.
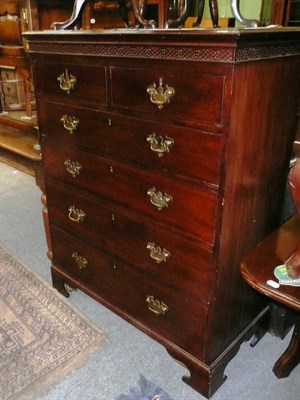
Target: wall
(250,9)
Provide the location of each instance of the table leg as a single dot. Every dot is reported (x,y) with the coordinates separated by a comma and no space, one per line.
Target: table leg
(291,357)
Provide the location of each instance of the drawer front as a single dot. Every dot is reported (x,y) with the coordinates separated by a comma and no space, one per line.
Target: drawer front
(12,102)
(82,85)
(10,89)
(7,74)
(178,263)
(176,151)
(129,291)
(195,96)
(180,206)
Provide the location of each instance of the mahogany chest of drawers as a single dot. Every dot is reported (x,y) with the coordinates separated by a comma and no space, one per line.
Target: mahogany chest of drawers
(166,155)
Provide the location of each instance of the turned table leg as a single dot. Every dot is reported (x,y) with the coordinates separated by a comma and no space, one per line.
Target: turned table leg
(291,357)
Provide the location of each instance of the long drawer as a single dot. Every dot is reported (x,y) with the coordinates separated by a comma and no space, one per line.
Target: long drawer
(194,96)
(161,309)
(178,263)
(177,151)
(75,84)
(180,206)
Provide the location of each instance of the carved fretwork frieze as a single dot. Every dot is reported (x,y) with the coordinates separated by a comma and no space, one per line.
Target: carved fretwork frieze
(167,52)
(262,52)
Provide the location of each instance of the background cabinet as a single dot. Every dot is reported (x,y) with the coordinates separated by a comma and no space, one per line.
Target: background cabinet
(18,125)
(285,12)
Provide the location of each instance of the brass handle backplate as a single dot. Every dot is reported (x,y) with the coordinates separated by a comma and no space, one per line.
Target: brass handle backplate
(156,306)
(75,214)
(158,199)
(66,81)
(73,167)
(81,261)
(157,253)
(160,145)
(70,123)
(160,95)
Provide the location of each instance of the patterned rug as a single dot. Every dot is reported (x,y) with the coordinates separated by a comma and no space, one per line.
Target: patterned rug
(42,337)
(146,390)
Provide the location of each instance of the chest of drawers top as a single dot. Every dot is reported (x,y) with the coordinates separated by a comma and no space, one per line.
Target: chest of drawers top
(231,45)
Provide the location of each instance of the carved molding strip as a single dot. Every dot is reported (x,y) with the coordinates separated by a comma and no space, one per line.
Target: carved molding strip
(261,52)
(135,51)
(209,54)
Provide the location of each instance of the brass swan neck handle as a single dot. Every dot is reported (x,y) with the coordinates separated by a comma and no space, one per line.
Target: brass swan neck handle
(160,95)
(66,81)
(160,145)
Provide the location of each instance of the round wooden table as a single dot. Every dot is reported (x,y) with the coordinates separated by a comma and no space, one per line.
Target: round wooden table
(257,269)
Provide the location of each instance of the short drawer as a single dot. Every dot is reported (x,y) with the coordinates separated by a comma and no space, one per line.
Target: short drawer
(6,74)
(179,263)
(176,151)
(10,89)
(181,206)
(160,309)
(81,84)
(186,95)
(12,102)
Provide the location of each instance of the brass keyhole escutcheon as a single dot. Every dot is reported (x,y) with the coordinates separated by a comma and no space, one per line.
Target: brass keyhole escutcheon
(66,81)
(156,306)
(158,199)
(160,95)
(75,214)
